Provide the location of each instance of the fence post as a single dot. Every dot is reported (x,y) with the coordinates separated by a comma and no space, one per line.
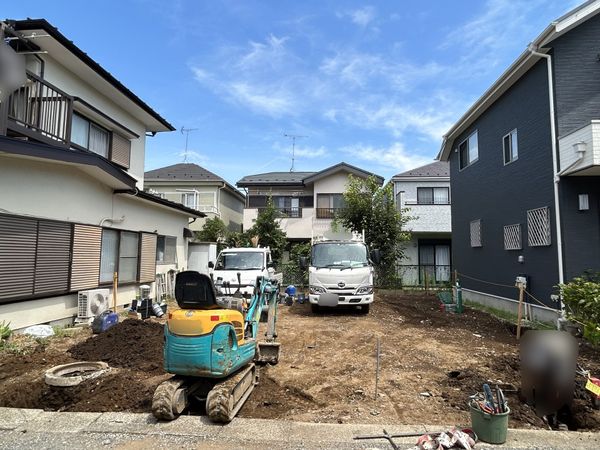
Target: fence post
(520,314)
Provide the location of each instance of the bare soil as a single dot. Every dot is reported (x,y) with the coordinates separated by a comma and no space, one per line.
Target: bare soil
(431,362)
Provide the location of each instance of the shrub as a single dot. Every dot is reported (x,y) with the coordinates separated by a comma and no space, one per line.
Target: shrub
(581,297)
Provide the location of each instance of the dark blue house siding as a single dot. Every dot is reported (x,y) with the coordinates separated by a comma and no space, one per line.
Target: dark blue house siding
(501,195)
(577,76)
(581,229)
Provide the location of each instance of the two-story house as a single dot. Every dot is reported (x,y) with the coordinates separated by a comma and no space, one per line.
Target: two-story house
(307,201)
(72,206)
(424,193)
(199,189)
(525,169)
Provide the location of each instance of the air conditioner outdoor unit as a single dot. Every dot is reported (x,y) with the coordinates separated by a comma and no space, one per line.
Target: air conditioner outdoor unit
(92,303)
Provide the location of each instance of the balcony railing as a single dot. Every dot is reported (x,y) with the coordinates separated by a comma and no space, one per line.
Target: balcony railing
(41,107)
(327,213)
(291,213)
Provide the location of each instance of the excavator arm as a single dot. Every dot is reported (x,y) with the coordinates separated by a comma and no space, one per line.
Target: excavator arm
(266,294)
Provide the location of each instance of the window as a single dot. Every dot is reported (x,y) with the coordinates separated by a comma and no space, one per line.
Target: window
(511,147)
(433,196)
(476,233)
(512,237)
(120,253)
(166,250)
(434,262)
(88,135)
(327,204)
(538,227)
(468,151)
(189,200)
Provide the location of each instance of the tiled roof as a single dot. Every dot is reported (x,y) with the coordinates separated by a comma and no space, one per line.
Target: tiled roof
(435,169)
(182,172)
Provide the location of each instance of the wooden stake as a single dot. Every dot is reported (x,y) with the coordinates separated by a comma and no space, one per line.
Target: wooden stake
(520,315)
(377,369)
(115,283)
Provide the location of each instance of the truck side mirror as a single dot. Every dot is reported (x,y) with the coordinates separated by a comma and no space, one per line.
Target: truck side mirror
(211,265)
(376,256)
(303,262)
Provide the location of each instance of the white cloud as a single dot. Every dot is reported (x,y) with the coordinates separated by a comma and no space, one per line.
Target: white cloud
(193,156)
(261,100)
(363,16)
(394,156)
(300,151)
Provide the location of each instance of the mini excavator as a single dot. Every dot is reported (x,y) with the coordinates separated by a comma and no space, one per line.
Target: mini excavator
(211,346)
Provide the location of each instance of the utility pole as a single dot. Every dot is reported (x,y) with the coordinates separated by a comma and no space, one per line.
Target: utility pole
(187,137)
(293,137)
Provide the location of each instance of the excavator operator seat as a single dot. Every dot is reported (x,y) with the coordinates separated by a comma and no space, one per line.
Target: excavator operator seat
(194,290)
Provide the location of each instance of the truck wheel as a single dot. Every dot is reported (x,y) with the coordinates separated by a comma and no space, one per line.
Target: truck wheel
(315,308)
(364,309)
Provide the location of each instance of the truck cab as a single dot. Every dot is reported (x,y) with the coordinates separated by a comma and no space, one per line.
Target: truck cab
(340,273)
(236,269)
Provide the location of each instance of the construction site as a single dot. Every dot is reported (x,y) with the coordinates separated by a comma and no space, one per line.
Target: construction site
(430,363)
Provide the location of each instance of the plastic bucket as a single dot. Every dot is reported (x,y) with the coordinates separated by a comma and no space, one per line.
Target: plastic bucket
(490,428)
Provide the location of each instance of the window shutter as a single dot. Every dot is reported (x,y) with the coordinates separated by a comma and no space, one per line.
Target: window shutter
(53,257)
(148,258)
(85,270)
(121,150)
(18,237)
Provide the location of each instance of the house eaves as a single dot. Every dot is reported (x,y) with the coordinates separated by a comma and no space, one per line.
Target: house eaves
(342,167)
(152,120)
(516,70)
(174,206)
(95,165)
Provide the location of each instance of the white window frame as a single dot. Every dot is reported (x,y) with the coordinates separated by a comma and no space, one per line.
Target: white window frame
(168,242)
(186,195)
(467,141)
(514,152)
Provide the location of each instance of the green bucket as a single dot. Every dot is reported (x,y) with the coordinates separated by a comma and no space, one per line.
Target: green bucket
(490,428)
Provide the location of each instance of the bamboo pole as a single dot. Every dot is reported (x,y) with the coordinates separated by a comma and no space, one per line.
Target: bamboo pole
(115,283)
(520,314)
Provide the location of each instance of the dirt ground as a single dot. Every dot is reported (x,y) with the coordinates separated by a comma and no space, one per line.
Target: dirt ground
(430,363)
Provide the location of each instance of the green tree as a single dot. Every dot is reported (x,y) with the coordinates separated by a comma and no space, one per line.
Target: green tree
(370,207)
(236,239)
(268,231)
(214,230)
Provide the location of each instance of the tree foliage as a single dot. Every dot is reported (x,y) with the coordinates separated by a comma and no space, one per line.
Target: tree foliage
(370,207)
(214,230)
(268,231)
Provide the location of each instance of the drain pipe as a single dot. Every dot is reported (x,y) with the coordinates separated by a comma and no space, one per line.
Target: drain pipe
(111,220)
(556,175)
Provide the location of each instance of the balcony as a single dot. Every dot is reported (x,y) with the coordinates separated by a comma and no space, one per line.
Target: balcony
(327,213)
(40,111)
(289,213)
(580,151)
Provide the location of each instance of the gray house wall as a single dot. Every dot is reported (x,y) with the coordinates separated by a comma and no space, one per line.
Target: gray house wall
(500,195)
(581,229)
(577,76)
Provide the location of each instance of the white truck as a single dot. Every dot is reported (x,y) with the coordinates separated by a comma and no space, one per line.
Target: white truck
(236,269)
(340,273)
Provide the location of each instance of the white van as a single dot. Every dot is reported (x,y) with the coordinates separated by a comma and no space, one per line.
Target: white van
(236,269)
(341,273)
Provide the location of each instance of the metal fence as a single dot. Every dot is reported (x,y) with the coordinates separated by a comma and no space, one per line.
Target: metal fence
(422,276)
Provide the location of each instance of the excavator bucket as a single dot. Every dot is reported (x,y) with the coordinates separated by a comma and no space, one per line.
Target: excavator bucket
(268,352)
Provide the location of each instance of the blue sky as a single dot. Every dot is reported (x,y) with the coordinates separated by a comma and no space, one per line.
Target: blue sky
(374,84)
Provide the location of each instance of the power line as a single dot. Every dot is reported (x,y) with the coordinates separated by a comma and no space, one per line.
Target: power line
(293,137)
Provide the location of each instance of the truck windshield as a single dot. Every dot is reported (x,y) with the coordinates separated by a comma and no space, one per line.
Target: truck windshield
(339,255)
(240,261)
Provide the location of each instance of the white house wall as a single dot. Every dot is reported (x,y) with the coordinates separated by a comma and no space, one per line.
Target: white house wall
(61,192)
(62,78)
(426,218)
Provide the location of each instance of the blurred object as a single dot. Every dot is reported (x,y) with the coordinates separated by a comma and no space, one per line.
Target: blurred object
(12,69)
(39,331)
(548,364)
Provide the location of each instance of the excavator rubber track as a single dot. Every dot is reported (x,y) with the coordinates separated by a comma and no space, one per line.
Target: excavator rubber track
(170,399)
(227,397)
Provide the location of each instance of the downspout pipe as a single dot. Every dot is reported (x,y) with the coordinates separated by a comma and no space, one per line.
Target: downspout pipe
(556,174)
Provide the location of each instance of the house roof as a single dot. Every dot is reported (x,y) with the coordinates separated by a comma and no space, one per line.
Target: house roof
(301,178)
(274,178)
(435,169)
(162,202)
(187,172)
(517,69)
(156,122)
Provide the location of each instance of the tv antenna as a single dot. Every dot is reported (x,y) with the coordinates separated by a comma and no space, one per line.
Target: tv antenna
(293,137)
(187,132)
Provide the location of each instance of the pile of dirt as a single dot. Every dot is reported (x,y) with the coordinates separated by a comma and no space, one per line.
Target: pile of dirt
(131,344)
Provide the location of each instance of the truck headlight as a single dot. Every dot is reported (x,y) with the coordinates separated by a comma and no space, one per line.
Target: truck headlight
(316,290)
(364,290)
